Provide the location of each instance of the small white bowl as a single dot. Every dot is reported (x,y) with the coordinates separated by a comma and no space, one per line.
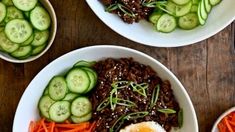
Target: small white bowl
(143,32)
(47,5)
(27,109)
(215,128)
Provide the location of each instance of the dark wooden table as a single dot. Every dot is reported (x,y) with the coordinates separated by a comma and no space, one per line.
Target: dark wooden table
(206,69)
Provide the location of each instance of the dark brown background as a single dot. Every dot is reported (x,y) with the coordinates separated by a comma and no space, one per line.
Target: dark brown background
(206,69)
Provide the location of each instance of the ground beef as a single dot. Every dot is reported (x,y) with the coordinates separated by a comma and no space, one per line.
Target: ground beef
(126,69)
(133,6)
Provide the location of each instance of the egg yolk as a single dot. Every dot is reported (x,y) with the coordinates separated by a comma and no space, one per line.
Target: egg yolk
(142,128)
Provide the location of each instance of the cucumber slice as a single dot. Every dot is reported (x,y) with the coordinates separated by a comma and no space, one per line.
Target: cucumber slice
(40,37)
(84,118)
(1,29)
(183,9)
(7,2)
(201,20)
(25,5)
(13,13)
(207,6)
(171,7)
(28,41)
(39,18)
(195,1)
(153,18)
(38,49)
(180,2)
(44,104)
(70,97)
(189,21)
(22,52)
(18,30)
(57,88)
(46,91)
(166,23)
(83,63)
(81,106)
(3,11)
(78,80)
(6,44)
(203,12)
(59,111)
(194,8)
(93,78)
(215,2)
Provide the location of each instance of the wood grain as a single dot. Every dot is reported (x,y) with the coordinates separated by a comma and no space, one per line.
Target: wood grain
(206,69)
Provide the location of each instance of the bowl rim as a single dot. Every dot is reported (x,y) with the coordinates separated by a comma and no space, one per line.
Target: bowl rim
(148,43)
(191,107)
(228,111)
(53,34)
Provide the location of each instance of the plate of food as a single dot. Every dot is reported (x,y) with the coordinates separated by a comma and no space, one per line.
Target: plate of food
(105,88)
(165,23)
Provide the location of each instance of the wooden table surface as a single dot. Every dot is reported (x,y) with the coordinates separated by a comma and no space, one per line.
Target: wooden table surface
(206,69)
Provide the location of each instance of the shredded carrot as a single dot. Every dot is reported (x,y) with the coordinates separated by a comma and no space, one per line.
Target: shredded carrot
(227,124)
(44,126)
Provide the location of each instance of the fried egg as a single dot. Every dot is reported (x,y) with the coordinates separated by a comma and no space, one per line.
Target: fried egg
(149,126)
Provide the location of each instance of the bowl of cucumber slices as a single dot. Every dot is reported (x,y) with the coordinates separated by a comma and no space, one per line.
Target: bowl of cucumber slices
(165,23)
(27,29)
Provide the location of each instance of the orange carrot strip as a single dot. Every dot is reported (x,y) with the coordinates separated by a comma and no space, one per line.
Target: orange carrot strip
(43,125)
(92,127)
(81,128)
(67,122)
(228,125)
(52,126)
(232,123)
(71,125)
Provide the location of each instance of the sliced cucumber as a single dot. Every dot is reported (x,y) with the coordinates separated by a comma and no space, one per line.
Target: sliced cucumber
(39,18)
(78,80)
(93,78)
(180,2)
(3,11)
(46,91)
(57,88)
(84,118)
(81,106)
(194,8)
(195,1)
(13,13)
(70,97)
(203,12)
(44,104)
(215,2)
(183,9)
(59,111)
(189,21)
(1,29)
(38,49)
(18,30)
(166,23)
(207,5)
(7,2)
(201,20)
(22,51)
(83,63)
(171,7)
(6,44)
(40,37)
(28,41)
(25,5)
(153,18)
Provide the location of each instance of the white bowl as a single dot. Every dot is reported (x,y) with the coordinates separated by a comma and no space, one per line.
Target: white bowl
(215,128)
(143,32)
(47,5)
(27,109)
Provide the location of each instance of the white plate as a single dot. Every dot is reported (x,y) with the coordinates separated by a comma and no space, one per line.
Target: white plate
(27,108)
(215,128)
(143,32)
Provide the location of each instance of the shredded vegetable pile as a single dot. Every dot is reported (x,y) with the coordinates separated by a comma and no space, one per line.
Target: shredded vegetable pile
(44,126)
(227,124)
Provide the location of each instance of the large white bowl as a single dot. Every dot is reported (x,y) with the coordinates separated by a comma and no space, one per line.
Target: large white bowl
(47,5)
(27,109)
(143,32)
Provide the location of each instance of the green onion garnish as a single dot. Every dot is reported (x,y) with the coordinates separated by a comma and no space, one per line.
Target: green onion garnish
(167,111)
(155,95)
(136,115)
(180,118)
(124,102)
(116,124)
(113,103)
(120,84)
(125,10)
(103,104)
(140,88)
(111,7)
